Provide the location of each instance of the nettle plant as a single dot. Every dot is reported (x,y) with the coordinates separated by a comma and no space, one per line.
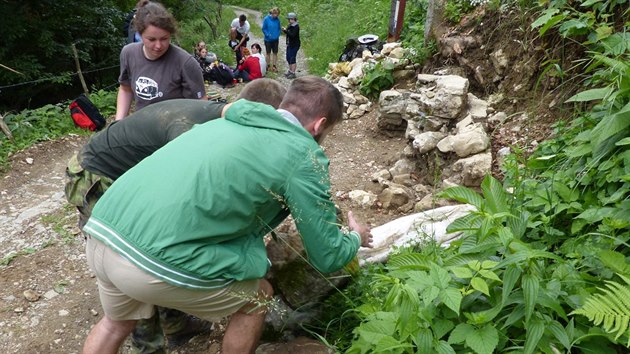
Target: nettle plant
(46,123)
(491,291)
(378,77)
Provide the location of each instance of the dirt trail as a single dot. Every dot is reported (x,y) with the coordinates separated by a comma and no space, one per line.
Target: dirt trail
(48,296)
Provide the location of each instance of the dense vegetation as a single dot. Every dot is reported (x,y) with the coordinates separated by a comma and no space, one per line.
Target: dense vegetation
(542,265)
(38,62)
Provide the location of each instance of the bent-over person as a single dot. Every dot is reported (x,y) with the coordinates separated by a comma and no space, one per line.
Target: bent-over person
(190,236)
(125,143)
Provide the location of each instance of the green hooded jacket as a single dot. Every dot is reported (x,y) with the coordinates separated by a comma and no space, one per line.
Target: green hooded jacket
(194,213)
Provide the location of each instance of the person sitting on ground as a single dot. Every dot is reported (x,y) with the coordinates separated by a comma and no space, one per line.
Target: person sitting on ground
(192,237)
(271,29)
(256,49)
(206,62)
(249,67)
(197,49)
(239,35)
(122,145)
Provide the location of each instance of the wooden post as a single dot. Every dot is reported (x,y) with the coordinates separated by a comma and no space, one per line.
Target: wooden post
(76,61)
(396,17)
(5,128)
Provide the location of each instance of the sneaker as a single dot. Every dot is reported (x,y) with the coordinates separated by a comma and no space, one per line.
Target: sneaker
(291,76)
(194,327)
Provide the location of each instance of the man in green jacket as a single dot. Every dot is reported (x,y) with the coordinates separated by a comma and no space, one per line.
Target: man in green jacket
(123,144)
(184,229)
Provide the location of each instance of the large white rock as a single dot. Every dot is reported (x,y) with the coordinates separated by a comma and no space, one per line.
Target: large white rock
(362,198)
(394,196)
(446,96)
(413,229)
(427,141)
(391,102)
(477,107)
(471,141)
(356,74)
(403,166)
(474,168)
(344,83)
(388,47)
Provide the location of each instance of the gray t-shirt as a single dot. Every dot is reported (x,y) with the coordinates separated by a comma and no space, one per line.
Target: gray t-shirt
(176,74)
(126,142)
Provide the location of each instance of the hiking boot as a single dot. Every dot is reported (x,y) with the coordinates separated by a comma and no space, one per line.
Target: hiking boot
(194,326)
(290,75)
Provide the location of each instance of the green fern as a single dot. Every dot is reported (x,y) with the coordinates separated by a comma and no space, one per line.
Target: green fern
(611,308)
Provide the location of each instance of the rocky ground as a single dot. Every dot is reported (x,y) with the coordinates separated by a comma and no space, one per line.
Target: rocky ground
(48,297)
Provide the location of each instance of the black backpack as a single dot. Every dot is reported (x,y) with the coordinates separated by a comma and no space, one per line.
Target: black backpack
(222,74)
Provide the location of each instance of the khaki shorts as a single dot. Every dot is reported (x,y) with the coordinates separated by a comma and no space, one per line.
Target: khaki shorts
(129,293)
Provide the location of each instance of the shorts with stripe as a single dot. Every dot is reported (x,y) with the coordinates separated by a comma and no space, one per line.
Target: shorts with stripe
(129,293)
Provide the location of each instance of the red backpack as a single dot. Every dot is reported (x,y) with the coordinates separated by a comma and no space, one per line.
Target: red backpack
(85,114)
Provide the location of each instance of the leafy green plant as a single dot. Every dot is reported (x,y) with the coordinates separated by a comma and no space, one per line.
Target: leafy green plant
(46,123)
(454,10)
(378,77)
(610,308)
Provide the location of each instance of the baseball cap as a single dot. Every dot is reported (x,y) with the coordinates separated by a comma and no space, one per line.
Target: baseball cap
(292,15)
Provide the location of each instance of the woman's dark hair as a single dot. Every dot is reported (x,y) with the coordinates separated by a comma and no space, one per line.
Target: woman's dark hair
(154,14)
(257,46)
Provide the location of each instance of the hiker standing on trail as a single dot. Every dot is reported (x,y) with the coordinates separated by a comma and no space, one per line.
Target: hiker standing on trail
(192,237)
(122,145)
(239,35)
(155,70)
(292,32)
(271,29)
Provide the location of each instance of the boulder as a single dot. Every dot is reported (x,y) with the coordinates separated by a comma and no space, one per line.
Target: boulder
(427,141)
(477,108)
(391,108)
(388,47)
(357,73)
(445,98)
(403,166)
(394,196)
(473,169)
(471,141)
(362,198)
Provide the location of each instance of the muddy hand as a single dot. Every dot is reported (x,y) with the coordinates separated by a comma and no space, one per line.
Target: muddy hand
(363,230)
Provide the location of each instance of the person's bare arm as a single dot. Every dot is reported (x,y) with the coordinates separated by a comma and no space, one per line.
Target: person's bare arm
(123,101)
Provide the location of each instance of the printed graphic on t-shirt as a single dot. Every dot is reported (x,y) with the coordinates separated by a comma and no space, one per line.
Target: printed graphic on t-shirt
(147,88)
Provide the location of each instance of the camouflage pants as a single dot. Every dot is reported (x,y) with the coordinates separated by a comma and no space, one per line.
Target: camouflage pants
(83,189)
(148,336)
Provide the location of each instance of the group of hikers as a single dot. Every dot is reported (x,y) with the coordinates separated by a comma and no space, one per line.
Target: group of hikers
(175,199)
(251,64)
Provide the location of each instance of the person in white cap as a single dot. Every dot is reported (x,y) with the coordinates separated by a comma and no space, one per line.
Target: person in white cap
(292,32)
